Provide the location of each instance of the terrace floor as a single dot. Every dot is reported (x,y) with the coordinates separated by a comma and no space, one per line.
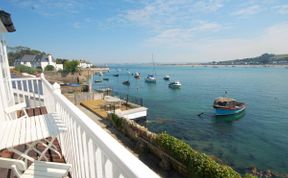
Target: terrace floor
(52,157)
(100,107)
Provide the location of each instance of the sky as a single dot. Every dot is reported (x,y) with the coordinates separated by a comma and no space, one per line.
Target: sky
(130,31)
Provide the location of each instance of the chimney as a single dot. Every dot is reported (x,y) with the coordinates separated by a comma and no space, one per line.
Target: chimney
(50,59)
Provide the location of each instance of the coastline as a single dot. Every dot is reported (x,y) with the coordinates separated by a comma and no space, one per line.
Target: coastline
(221,65)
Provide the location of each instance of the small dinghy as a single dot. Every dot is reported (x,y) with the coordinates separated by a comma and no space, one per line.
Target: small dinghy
(106,79)
(166,77)
(127,82)
(116,75)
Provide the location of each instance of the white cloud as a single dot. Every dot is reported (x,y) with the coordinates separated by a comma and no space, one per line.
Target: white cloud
(282,9)
(247,11)
(178,36)
(186,47)
(161,14)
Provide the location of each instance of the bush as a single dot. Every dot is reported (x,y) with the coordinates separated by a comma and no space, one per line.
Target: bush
(71,66)
(198,164)
(49,68)
(117,121)
(26,69)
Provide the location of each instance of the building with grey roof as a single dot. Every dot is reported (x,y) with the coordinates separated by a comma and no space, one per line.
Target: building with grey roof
(38,61)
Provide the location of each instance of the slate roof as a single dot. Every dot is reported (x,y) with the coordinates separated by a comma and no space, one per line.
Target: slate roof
(34,58)
(28,58)
(7,21)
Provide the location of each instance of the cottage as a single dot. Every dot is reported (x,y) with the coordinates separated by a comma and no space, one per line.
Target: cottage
(38,61)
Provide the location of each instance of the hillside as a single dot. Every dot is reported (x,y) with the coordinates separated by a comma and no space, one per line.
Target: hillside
(260,60)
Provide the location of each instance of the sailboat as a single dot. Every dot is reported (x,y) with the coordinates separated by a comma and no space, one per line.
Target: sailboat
(137,75)
(127,82)
(150,77)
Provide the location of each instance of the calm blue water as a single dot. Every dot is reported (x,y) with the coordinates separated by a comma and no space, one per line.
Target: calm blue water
(259,138)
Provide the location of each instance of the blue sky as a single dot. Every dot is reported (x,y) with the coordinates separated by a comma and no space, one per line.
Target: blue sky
(118,31)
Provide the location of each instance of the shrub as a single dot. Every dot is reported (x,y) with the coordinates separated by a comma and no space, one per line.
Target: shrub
(198,164)
(26,69)
(71,66)
(117,121)
(49,68)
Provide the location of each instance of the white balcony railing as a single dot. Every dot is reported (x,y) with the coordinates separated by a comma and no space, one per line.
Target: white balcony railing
(28,90)
(91,151)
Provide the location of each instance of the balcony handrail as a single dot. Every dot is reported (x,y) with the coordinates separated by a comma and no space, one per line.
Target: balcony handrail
(25,78)
(120,157)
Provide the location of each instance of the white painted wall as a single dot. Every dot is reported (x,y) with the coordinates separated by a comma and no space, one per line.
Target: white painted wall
(84,65)
(59,66)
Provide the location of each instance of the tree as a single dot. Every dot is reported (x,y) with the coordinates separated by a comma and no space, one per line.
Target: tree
(71,66)
(61,61)
(49,68)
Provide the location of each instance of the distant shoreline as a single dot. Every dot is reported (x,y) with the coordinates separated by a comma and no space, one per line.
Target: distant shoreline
(221,65)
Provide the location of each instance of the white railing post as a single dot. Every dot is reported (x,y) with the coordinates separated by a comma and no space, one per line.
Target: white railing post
(57,88)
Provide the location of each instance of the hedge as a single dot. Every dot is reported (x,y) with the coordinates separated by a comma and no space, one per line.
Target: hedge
(26,69)
(199,165)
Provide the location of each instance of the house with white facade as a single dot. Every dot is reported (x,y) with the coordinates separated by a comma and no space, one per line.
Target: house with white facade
(38,61)
(84,64)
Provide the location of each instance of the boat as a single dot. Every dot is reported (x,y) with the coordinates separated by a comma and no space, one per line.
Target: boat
(227,106)
(166,77)
(127,82)
(100,74)
(74,84)
(175,85)
(106,79)
(137,75)
(97,81)
(150,79)
(116,75)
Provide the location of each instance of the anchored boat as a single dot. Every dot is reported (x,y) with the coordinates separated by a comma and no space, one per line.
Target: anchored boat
(127,82)
(97,81)
(137,75)
(228,106)
(166,77)
(150,79)
(175,85)
(116,75)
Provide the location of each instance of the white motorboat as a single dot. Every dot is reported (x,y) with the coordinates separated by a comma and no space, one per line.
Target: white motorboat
(175,84)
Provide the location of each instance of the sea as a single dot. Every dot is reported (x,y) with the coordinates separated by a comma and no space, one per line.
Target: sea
(257,137)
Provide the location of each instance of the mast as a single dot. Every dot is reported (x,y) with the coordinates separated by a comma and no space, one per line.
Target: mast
(153,64)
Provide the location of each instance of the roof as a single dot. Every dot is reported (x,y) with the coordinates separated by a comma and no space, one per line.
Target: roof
(28,58)
(7,21)
(34,58)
